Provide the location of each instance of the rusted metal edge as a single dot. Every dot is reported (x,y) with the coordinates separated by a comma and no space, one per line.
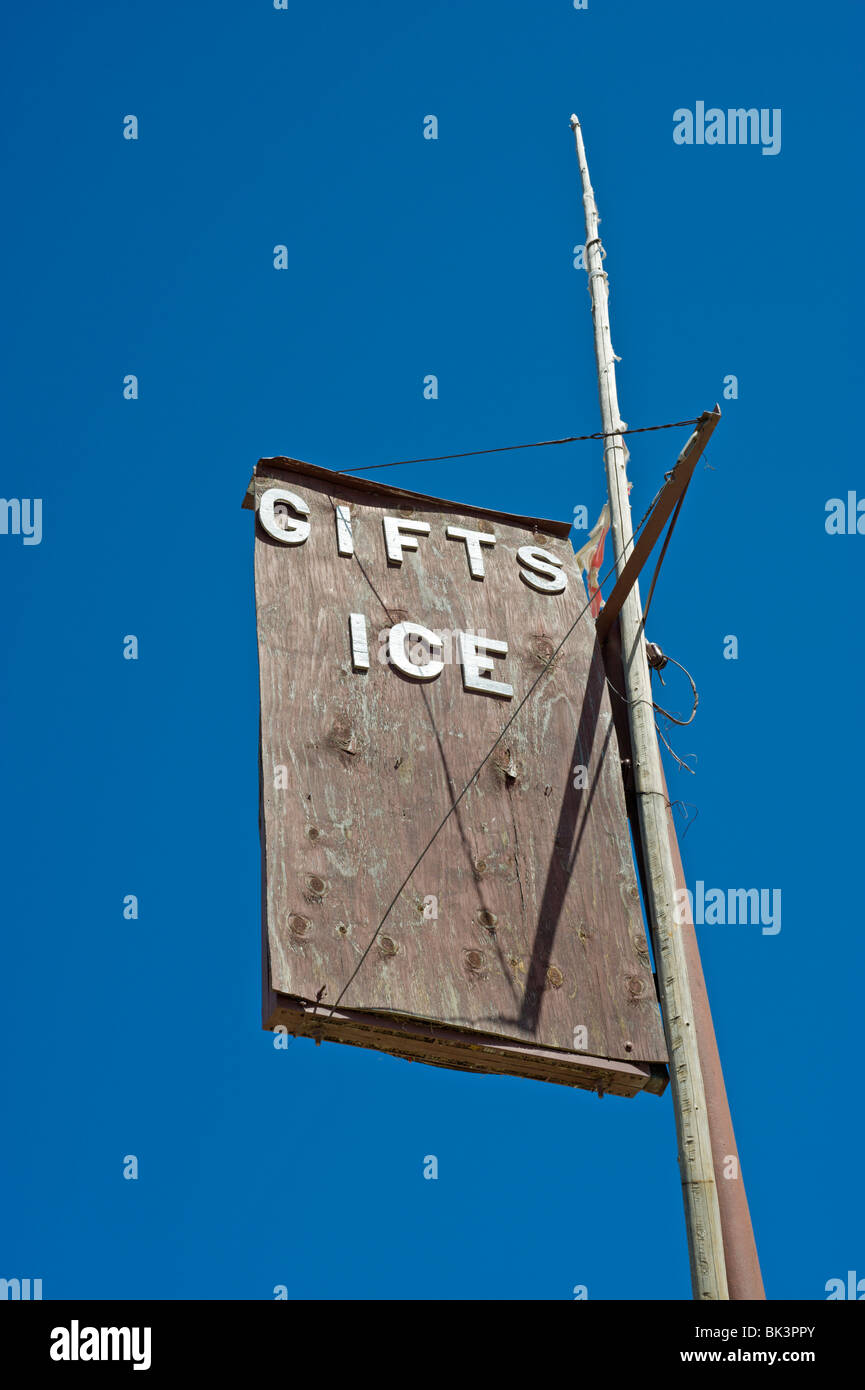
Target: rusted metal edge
(670,494)
(345,483)
(439,1045)
(744,1280)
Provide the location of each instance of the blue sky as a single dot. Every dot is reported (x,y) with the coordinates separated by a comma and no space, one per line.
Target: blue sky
(408,257)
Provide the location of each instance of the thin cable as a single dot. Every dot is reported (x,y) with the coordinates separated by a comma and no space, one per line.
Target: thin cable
(674,518)
(684,805)
(683,723)
(673,752)
(476,774)
(506,448)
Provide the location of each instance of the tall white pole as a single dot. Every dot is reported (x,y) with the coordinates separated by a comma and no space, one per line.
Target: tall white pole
(702,1216)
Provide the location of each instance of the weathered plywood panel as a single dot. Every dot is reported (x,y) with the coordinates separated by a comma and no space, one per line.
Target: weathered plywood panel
(521,921)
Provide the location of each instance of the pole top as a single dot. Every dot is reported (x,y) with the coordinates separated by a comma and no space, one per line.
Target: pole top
(574,122)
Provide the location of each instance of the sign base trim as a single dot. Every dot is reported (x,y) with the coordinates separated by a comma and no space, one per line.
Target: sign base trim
(437,1044)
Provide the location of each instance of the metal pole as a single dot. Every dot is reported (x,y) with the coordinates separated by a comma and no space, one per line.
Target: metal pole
(696,1168)
(744,1279)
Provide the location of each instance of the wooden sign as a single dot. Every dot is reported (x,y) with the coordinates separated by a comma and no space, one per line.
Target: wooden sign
(493,929)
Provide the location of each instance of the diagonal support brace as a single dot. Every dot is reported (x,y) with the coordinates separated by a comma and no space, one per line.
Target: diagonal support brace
(660,514)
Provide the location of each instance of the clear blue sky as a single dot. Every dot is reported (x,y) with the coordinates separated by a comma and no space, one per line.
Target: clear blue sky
(407,257)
